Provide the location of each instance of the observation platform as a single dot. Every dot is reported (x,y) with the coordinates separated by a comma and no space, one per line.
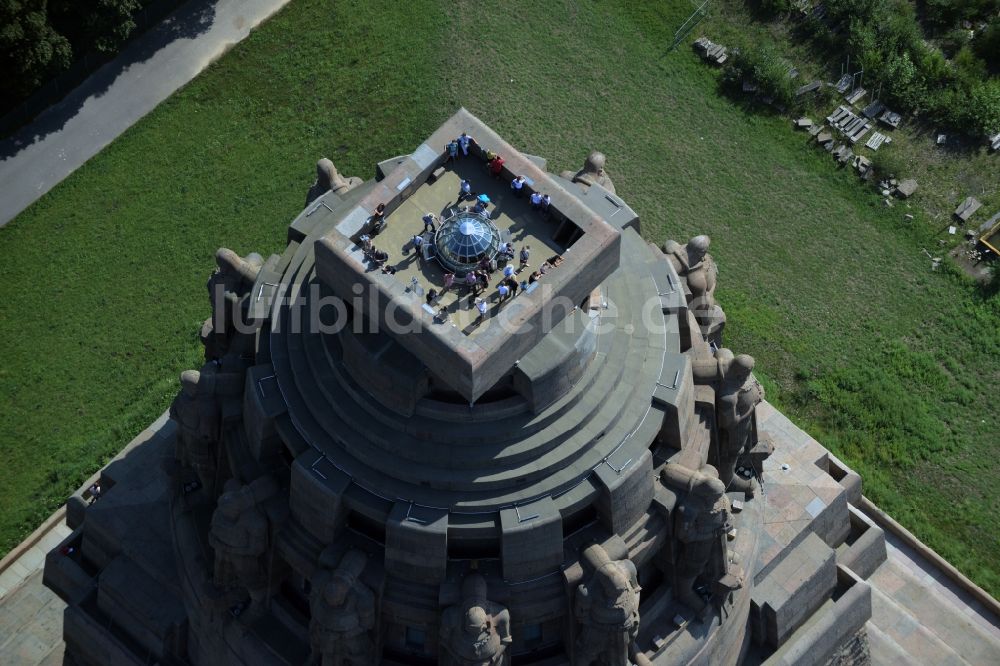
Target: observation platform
(513,217)
(470,358)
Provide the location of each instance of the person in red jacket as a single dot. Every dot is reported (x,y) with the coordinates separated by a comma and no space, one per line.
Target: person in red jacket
(496,166)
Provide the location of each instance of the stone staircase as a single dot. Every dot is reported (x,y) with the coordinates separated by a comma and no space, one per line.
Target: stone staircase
(912,625)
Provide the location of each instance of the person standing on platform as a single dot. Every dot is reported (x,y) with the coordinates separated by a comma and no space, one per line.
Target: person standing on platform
(463,143)
(518,186)
(496,167)
(465,191)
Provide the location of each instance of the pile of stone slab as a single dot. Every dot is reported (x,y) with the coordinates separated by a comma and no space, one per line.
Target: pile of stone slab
(967,208)
(850,125)
(842,153)
(710,51)
(808,88)
(890,118)
(862,164)
(873,110)
(855,95)
(878,110)
(876,140)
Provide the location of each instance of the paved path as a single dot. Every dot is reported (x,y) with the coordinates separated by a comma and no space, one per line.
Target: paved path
(113,98)
(31,615)
(31,625)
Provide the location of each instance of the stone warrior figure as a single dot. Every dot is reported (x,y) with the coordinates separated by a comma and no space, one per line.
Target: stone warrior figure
(239,537)
(607,611)
(196,413)
(205,396)
(701,522)
(343,615)
(694,263)
(592,173)
(736,404)
(476,632)
(229,283)
(328,178)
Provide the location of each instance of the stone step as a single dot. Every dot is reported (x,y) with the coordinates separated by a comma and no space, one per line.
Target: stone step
(942,618)
(327,413)
(900,629)
(403,437)
(884,650)
(392,438)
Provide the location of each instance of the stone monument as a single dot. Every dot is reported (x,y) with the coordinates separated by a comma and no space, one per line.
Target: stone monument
(383,461)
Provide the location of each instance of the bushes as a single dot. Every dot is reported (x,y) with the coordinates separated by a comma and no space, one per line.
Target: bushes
(764,68)
(885,39)
(987,45)
(983,108)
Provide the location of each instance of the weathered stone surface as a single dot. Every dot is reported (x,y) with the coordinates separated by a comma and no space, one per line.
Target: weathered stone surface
(471,495)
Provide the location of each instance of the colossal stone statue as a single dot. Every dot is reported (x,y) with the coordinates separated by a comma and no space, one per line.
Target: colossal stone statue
(239,537)
(232,280)
(736,402)
(328,178)
(592,173)
(207,398)
(696,265)
(196,412)
(476,632)
(343,615)
(607,611)
(700,524)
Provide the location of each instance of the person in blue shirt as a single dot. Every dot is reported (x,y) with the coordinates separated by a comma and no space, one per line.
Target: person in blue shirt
(518,185)
(452,150)
(465,191)
(463,142)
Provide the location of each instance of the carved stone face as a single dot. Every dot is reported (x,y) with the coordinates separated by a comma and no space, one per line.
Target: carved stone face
(595,163)
(742,367)
(336,590)
(230,504)
(189,383)
(476,621)
(697,248)
(325,172)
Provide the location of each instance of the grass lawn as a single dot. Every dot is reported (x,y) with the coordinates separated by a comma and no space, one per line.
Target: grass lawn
(887,363)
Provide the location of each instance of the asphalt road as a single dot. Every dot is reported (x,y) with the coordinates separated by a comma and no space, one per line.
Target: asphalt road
(113,98)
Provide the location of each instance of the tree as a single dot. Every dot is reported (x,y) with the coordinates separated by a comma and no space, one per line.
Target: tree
(983,108)
(98,25)
(31,51)
(765,68)
(987,45)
